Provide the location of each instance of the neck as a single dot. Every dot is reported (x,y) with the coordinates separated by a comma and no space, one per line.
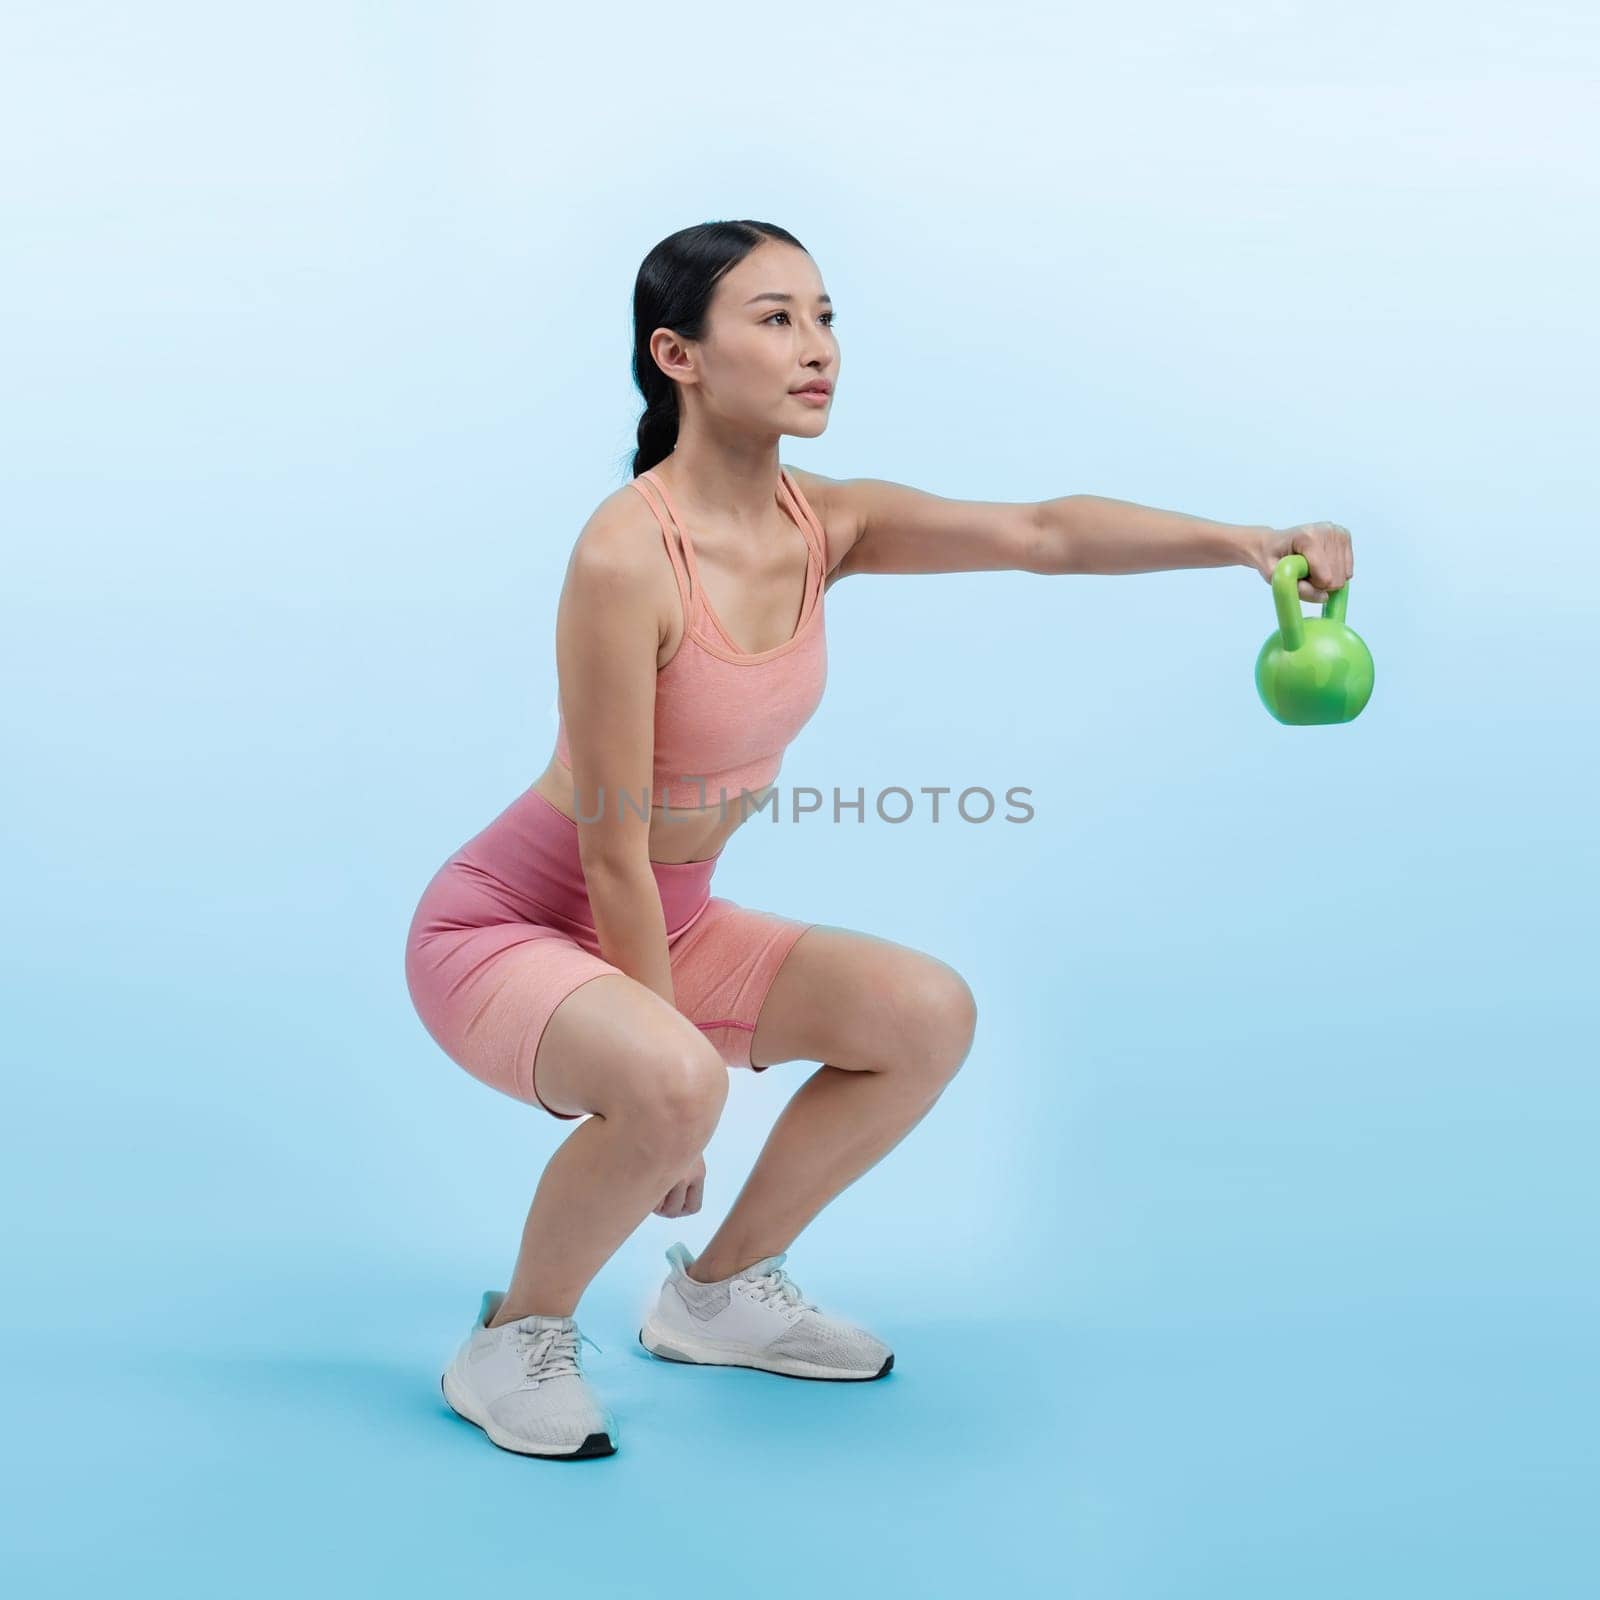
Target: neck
(721,483)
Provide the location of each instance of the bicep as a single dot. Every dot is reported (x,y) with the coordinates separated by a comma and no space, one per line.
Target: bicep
(905,530)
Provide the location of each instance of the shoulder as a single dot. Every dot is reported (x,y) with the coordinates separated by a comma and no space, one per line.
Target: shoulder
(618,555)
(836,509)
(621,535)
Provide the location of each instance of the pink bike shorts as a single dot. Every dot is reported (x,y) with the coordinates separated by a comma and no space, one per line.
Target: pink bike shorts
(504,933)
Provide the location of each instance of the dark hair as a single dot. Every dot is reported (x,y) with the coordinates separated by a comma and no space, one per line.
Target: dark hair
(673,290)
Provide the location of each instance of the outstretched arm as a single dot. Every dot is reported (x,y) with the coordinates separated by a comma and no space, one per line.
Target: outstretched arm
(1090,533)
(889,527)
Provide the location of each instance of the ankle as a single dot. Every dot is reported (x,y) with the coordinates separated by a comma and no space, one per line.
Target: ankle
(508,1313)
(700,1272)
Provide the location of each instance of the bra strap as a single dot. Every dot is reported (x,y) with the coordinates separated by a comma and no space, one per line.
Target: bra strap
(679,569)
(815,534)
(688,571)
(677,523)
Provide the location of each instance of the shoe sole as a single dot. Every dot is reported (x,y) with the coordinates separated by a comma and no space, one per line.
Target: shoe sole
(675,1346)
(597,1444)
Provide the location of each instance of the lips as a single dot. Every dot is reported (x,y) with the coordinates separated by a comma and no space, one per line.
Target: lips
(821,389)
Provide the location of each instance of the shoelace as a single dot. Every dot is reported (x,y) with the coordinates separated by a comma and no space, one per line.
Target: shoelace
(551,1352)
(777,1287)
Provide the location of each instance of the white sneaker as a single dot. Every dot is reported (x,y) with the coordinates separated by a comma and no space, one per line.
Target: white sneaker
(757,1318)
(523,1384)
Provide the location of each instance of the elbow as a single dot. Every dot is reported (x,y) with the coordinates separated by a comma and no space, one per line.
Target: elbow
(1048,543)
(615,869)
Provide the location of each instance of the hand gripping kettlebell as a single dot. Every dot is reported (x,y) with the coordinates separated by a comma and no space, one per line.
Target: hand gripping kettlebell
(1313,669)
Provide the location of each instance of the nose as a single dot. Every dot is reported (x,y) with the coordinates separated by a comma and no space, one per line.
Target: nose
(818,353)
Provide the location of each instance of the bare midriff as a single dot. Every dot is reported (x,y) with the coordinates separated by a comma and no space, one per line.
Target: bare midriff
(677,833)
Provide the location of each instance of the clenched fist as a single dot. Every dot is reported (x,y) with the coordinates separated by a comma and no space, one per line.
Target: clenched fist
(684,1196)
(1330,562)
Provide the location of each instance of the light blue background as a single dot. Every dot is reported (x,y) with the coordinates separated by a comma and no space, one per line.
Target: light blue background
(1251,1254)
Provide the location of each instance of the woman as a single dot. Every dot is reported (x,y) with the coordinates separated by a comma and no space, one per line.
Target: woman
(572,955)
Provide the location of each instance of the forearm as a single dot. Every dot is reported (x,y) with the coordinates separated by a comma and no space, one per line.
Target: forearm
(1091,533)
(629,925)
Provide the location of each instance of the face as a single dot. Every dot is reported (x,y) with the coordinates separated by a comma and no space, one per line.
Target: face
(769,333)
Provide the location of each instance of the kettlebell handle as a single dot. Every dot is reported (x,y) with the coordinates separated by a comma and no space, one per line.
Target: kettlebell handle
(1286,578)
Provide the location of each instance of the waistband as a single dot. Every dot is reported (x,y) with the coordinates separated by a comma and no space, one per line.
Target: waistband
(531,852)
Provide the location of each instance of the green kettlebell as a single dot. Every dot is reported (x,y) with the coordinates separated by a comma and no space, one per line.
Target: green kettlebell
(1313,669)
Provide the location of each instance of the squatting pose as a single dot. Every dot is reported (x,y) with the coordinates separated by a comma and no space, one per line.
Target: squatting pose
(572,954)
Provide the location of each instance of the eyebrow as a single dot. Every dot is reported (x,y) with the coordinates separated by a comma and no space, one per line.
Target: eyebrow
(772,294)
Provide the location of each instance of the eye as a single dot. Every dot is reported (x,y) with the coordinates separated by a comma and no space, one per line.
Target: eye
(828,316)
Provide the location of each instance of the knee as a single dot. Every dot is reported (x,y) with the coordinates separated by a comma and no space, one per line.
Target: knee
(946,1013)
(681,1091)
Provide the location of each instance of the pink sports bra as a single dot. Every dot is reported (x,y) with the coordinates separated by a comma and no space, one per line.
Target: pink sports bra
(724,715)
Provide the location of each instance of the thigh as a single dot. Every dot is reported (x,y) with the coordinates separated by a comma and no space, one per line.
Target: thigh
(529,1012)
(615,1046)
(540,1016)
(486,995)
(723,968)
(864,1003)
